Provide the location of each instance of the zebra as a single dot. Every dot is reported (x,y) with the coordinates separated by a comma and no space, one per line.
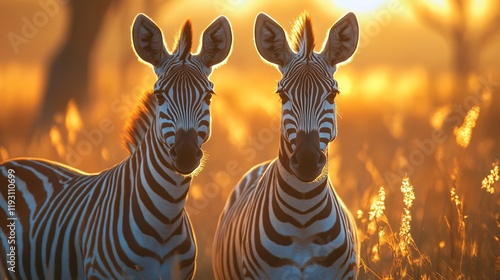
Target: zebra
(284,220)
(129,221)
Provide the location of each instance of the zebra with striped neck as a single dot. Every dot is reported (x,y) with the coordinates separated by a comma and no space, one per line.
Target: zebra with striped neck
(128,221)
(284,220)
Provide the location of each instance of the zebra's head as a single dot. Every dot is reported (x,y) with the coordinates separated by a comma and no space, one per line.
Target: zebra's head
(183,89)
(307,88)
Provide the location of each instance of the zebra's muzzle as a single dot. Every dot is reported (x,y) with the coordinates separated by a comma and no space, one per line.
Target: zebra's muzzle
(185,153)
(307,161)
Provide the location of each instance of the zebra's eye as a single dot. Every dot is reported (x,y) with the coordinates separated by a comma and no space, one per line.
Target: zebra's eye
(159,96)
(331,96)
(208,97)
(283,96)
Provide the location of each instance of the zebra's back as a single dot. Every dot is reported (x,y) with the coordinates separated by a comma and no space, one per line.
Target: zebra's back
(32,205)
(68,225)
(245,186)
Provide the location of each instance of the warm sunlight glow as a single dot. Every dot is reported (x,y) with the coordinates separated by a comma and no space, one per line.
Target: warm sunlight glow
(438,3)
(360,6)
(238,132)
(25,94)
(464,132)
(105,153)
(56,141)
(376,82)
(223,6)
(4,154)
(410,82)
(195,192)
(439,116)
(479,8)
(344,81)
(440,6)
(375,257)
(73,121)
(410,100)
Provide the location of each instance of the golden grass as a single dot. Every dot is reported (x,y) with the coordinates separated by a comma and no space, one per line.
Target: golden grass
(463,133)
(488,182)
(465,240)
(405,238)
(378,206)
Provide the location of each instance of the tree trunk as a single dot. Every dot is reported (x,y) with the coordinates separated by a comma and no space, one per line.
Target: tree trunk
(463,66)
(69,70)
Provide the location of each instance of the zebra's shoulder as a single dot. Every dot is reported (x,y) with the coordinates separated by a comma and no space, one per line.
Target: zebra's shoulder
(139,122)
(255,173)
(248,182)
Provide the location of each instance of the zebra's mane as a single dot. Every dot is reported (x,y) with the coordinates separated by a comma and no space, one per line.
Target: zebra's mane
(303,35)
(139,122)
(184,41)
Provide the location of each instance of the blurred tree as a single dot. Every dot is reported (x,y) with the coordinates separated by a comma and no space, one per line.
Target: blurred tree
(69,70)
(469,28)
(467,37)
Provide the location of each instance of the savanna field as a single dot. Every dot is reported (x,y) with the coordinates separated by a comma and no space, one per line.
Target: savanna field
(417,156)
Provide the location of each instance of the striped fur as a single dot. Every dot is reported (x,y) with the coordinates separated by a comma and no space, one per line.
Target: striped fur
(127,222)
(276,224)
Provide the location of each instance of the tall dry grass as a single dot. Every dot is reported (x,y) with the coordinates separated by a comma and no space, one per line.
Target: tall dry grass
(468,225)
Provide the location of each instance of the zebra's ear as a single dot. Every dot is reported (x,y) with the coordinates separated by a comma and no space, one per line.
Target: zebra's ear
(271,42)
(216,43)
(342,40)
(148,41)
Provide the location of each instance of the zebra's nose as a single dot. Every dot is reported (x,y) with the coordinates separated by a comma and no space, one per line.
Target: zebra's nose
(307,161)
(185,153)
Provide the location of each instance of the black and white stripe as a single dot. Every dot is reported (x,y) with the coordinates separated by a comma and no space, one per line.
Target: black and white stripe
(276,224)
(128,221)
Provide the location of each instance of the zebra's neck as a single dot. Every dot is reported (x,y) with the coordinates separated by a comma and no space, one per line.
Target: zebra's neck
(157,193)
(299,200)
